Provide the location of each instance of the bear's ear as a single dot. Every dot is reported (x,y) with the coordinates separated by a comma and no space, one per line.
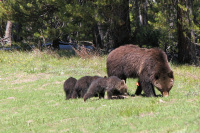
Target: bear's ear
(170,74)
(105,77)
(123,82)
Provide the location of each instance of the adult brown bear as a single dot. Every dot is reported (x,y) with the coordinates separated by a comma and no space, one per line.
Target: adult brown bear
(149,65)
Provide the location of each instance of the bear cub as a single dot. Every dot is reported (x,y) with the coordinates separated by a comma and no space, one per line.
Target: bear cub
(82,86)
(69,87)
(113,85)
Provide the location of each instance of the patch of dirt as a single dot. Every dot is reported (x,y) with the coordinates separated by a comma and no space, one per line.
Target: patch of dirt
(17,88)
(187,74)
(166,102)
(11,98)
(58,82)
(132,126)
(69,119)
(43,86)
(29,78)
(29,122)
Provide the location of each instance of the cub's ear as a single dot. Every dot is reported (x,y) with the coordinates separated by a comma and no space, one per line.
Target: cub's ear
(105,77)
(123,82)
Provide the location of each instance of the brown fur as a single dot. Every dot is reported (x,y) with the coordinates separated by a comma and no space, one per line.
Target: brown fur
(82,86)
(149,65)
(69,87)
(113,85)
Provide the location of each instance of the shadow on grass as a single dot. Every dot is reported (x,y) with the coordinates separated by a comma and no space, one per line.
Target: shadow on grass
(143,95)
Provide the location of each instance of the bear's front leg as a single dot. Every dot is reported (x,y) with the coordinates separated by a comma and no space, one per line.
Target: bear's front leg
(148,89)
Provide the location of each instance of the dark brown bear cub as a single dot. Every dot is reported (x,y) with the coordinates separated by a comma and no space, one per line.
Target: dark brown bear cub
(69,87)
(149,65)
(82,86)
(113,85)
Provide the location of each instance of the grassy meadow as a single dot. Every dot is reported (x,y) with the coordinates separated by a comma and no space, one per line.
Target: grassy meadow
(32,98)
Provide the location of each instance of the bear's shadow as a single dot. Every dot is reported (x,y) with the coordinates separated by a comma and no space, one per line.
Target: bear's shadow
(143,95)
(123,97)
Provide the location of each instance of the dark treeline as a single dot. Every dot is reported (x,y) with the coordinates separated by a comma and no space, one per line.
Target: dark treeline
(173,25)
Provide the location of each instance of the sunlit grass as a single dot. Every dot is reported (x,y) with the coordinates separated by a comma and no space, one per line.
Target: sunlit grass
(32,98)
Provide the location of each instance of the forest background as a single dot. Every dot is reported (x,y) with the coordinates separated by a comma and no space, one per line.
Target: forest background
(172,25)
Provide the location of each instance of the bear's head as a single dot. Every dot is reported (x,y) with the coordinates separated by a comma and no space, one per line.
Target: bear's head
(122,87)
(164,81)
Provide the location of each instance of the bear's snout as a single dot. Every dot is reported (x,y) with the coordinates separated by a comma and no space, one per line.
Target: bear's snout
(165,93)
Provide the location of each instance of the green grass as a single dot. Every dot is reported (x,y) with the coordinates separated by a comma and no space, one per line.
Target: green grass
(32,98)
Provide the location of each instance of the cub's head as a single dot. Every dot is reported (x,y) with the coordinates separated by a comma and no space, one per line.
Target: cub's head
(122,87)
(163,82)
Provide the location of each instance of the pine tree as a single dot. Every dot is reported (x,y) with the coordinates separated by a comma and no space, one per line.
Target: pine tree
(186,47)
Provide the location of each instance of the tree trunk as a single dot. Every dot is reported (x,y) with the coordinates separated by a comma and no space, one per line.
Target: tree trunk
(101,35)
(16,32)
(186,47)
(144,12)
(141,9)
(8,33)
(114,32)
(121,32)
(2,28)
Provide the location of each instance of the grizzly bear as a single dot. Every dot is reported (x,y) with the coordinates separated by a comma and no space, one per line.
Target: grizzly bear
(150,66)
(82,86)
(69,87)
(113,85)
